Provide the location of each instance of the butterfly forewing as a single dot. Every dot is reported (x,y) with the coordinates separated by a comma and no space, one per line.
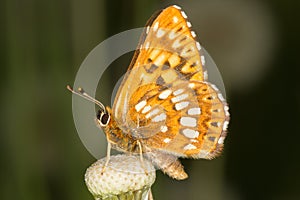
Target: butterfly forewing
(168,53)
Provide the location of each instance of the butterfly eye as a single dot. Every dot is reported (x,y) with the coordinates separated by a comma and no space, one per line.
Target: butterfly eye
(103,118)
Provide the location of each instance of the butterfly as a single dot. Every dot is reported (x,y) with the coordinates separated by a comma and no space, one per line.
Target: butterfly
(165,108)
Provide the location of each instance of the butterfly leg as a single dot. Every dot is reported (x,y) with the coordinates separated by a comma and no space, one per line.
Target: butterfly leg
(107,157)
(141,157)
(150,196)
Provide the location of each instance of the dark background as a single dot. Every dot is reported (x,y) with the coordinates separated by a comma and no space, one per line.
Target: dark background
(254,43)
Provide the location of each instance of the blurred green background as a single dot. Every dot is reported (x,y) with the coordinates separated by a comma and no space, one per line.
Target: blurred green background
(254,43)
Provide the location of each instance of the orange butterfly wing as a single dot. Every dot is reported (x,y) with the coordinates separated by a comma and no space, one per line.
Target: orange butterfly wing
(147,63)
(166,74)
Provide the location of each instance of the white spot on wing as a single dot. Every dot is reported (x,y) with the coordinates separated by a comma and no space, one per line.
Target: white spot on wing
(191,85)
(221,97)
(194,111)
(177,7)
(159,118)
(198,46)
(193,33)
(163,129)
(181,105)
(153,112)
(226,108)
(177,92)
(147,45)
(189,147)
(176,44)
(179,98)
(175,19)
(183,14)
(155,26)
(225,125)
(203,60)
(214,87)
(189,24)
(146,109)
(221,140)
(167,140)
(205,75)
(160,33)
(188,121)
(172,34)
(195,141)
(165,94)
(190,133)
(140,105)
(147,29)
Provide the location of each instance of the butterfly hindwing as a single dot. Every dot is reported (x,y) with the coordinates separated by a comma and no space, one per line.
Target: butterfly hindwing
(187,119)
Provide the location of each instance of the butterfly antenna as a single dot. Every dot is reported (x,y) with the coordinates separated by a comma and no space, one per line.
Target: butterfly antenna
(83,94)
